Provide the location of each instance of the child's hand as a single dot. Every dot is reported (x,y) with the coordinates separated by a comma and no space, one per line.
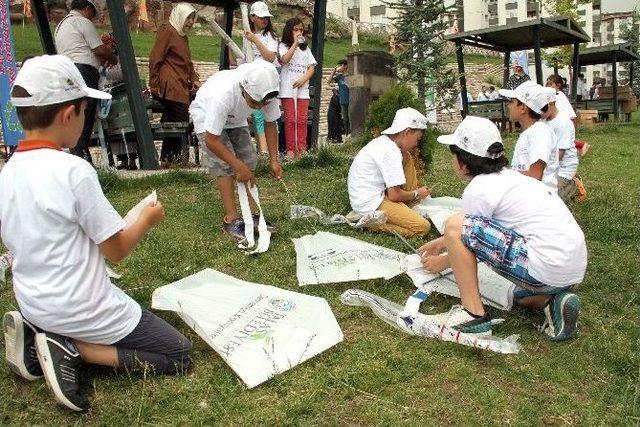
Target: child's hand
(276,170)
(244,174)
(435,263)
(250,36)
(298,83)
(152,214)
(432,248)
(423,192)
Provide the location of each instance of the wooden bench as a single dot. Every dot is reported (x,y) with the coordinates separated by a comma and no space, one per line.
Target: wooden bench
(494,110)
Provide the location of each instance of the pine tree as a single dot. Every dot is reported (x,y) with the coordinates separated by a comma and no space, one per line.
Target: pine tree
(421,57)
(631,34)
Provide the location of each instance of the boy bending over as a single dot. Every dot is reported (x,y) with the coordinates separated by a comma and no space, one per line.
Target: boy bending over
(383,176)
(58,224)
(515,224)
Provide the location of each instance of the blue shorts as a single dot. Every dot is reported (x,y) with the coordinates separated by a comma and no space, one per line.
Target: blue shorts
(505,251)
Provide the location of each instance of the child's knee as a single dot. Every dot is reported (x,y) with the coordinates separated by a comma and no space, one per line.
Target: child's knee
(420,227)
(181,357)
(453,227)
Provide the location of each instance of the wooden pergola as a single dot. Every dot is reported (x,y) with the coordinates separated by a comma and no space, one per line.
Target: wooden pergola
(147,151)
(535,34)
(611,54)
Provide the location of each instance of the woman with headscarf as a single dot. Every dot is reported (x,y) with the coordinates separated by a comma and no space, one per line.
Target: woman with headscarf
(172,76)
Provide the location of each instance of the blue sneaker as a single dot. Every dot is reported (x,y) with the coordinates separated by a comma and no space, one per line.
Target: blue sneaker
(235,229)
(561,315)
(256,218)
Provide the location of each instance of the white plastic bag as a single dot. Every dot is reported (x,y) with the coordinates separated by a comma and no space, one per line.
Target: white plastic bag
(133,215)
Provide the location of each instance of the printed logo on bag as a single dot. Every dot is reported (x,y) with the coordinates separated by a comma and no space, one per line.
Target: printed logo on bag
(283,305)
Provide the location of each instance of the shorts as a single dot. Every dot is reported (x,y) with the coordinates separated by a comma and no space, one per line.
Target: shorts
(566,188)
(505,251)
(238,141)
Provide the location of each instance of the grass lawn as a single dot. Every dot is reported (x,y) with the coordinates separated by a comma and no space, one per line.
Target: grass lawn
(377,376)
(207,48)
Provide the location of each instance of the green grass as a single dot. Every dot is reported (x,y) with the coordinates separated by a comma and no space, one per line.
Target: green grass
(203,47)
(377,376)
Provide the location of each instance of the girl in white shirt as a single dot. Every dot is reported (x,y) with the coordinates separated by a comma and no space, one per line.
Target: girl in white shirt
(298,66)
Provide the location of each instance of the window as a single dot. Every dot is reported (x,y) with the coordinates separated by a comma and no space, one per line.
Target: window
(511,6)
(596,75)
(582,12)
(532,14)
(378,10)
(583,70)
(512,20)
(493,21)
(354,13)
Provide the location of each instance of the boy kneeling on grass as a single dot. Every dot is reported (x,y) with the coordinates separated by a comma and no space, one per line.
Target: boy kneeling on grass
(59,225)
(383,176)
(219,114)
(514,223)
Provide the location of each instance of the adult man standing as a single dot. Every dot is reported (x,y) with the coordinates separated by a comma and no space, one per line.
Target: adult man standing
(76,37)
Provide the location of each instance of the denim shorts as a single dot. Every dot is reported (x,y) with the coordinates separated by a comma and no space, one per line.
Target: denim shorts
(238,141)
(505,251)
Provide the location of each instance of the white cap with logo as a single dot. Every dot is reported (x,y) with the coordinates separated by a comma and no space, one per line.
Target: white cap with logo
(406,118)
(531,94)
(475,135)
(52,79)
(260,79)
(260,9)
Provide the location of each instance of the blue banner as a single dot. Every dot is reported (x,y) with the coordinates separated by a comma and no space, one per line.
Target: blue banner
(11,130)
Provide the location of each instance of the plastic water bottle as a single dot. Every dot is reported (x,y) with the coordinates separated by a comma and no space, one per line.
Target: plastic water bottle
(301,39)
(6,260)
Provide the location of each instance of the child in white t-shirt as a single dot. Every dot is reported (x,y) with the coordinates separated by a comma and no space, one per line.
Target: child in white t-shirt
(515,224)
(562,127)
(383,176)
(536,152)
(298,66)
(59,226)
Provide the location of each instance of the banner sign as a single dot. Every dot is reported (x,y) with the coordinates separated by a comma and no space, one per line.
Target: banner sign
(11,129)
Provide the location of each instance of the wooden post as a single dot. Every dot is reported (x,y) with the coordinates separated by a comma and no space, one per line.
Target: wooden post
(42,22)
(576,71)
(148,153)
(614,83)
(317,49)
(505,73)
(463,79)
(229,7)
(536,54)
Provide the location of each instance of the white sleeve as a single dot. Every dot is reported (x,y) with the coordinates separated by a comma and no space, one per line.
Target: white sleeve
(566,135)
(476,202)
(542,146)
(216,116)
(95,214)
(90,34)
(271,110)
(390,165)
(310,59)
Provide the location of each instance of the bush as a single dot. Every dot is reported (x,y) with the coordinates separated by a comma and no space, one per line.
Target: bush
(382,112)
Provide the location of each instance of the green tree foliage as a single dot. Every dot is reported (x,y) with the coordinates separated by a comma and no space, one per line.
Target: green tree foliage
(383,110)
(420,58)
(567,8)
(631,34)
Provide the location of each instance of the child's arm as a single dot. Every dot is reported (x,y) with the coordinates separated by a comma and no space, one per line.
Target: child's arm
(305,77)
(397,194)
(117,247)
(432,260)
(266,54)
(535,170)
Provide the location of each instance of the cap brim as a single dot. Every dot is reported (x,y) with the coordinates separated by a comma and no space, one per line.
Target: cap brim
(97,94)
(507,93)
(391,131)
(263,15)
(449,139)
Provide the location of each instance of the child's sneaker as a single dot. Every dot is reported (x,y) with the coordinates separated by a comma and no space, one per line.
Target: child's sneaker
(256,218)
(235,229)
(460,319)
(19,342)
(61,363)
(561,315)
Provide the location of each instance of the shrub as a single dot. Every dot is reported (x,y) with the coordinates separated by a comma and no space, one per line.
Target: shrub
(382,112)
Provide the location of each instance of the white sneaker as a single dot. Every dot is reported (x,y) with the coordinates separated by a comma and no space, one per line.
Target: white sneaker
(458,318)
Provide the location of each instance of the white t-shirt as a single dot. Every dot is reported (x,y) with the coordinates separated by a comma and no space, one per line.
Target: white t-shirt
(267,40)
(538,142)
(459,100)
(300,62)
(481,96)
(556,246)
(376,167)
(219,103)
(53,216)
(76,37)
(563,104)
(565,133)
(493,95)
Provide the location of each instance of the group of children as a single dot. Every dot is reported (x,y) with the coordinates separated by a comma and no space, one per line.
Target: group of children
(59,226)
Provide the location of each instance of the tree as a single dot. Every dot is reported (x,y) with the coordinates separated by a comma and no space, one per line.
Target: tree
(563,55)
(630,33)
(421,57)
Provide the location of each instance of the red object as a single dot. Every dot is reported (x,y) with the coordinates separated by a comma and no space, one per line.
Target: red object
(290,125)
(36,144)
(579,144)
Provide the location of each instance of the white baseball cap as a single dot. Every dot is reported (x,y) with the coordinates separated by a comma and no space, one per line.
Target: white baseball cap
(260,79)
(260,9)
(52,79)
(406,118)
(475,135)
(531,94)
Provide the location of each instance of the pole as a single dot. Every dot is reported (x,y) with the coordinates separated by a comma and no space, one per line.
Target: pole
(576,71)
(505,72)
(615,85)
(463,79)
(148,153)
(228,28)
(317,49)
(536,53)
(44,30)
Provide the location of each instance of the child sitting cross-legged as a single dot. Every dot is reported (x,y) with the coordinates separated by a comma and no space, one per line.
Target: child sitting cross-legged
(60,227)
(515,224)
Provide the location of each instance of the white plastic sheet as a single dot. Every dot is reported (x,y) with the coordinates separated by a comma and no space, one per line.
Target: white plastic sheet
(357,221)
(264,235)
(438,209)
(419,324)
(259,330)
(133,215)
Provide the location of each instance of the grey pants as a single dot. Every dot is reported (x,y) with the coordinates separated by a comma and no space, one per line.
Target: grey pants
(154,345)
(566,188)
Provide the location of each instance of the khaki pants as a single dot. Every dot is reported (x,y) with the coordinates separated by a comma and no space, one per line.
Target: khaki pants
(400,217)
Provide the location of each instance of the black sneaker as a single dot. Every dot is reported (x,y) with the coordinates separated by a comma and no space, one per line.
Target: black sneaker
(235,229)
(19,342)
(61,363)
(256,218)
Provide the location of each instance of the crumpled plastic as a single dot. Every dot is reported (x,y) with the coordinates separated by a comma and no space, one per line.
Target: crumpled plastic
(264,235)
(438,209)
(420,325)
(354,220)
